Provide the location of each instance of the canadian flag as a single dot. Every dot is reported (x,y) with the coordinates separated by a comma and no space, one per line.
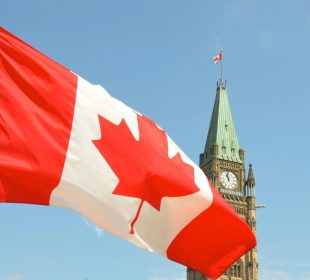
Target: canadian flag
(68,143)
(217,58)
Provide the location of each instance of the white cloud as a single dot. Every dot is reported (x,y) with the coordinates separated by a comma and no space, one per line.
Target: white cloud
(284,275)
(159,274)
(97,229)
(284,269)
(167,278)
(14,276)
(86,222)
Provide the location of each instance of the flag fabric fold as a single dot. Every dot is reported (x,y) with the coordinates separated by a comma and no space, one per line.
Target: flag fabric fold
(66,142)
(217,58)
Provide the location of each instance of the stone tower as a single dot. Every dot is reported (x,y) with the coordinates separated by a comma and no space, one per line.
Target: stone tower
(223,162)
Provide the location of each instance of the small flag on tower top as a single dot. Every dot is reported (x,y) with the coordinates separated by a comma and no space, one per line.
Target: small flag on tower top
(217,58)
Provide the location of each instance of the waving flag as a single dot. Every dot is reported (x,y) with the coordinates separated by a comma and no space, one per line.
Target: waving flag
(217,58)
(68,143)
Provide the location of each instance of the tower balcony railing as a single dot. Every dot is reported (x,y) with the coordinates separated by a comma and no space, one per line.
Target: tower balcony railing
(231,192)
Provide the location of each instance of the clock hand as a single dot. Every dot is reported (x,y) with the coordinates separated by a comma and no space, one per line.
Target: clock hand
(227,177)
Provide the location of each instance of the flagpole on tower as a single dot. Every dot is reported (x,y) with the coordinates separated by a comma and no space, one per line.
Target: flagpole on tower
(216,59)
(221,58)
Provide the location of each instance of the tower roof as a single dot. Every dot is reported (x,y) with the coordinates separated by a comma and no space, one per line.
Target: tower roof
(222,132)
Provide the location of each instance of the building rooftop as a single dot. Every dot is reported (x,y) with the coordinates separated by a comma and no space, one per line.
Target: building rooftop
(222,131)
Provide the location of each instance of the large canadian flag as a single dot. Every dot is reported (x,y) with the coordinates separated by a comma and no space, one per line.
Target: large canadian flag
(68,143)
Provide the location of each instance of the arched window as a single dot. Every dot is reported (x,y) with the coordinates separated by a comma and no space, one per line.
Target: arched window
(236,272)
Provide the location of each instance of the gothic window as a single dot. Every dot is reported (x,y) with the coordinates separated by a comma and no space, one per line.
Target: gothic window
(232,270)
(223,149)
(236,270)
(233,151)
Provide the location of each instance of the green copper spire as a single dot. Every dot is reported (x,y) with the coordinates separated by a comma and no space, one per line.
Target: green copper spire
(222,141)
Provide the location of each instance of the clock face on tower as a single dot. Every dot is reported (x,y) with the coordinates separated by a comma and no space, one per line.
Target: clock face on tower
(228,180)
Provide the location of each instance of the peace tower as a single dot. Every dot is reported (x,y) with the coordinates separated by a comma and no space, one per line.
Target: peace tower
(223,162)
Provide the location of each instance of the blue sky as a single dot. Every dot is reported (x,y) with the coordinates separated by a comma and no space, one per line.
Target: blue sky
(156,56)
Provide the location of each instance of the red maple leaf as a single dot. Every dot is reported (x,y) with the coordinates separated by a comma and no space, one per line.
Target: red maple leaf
(143,167)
